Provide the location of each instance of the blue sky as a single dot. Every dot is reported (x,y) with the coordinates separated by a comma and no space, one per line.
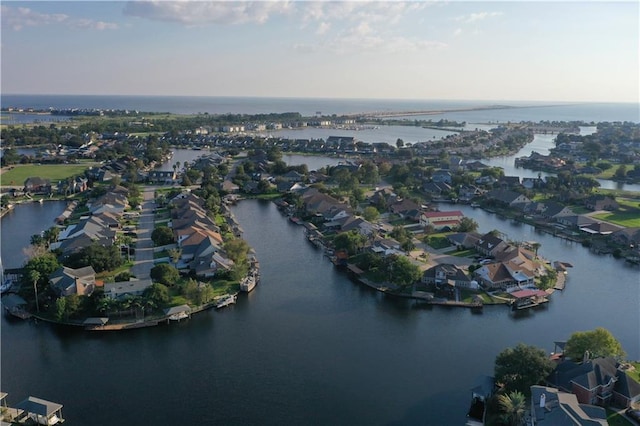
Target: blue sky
(543,50)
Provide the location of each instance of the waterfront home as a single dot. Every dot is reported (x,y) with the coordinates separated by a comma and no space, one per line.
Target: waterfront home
(599,381)
(355,223)
(292,176)
(508,198)
(627,237)
(122,289)
(446,274)
(576,221)
(601,228)
(229,187)
(206,266)
(386,247)
(464,240)
(404,207)
(552,407)
(601,202)
(504,275)
(441,220)
(67,281)
(190,245)
(436,189)
(93,227)
(37,185)
(490,245)
(554,210)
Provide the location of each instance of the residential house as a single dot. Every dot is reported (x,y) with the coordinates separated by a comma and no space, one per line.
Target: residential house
(404,206)
(162,176)
(351,223)
(627,237)
(554,210)
(576,220)
(601,228)
(552,407)
(67,281)
(436,189)
(490,245)
(441,176)
(505,275)
(229,187)
(601,202)
(599,381)
(37,185)
(386,247)
(464,240)
(123,289)
(508,198)
(441,220)
(293,176)
(447,274)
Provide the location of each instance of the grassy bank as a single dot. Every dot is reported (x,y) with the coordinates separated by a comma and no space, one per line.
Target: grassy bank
(55,172)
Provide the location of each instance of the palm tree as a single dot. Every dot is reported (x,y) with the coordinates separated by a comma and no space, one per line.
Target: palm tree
(513,406)
(35,276)
(536,246)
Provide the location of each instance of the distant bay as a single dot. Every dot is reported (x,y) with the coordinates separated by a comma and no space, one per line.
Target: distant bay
(515,111)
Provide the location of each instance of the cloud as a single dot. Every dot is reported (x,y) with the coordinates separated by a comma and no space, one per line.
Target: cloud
(475,17)
(323,28)
(196,13)
(18,18)
(457,32)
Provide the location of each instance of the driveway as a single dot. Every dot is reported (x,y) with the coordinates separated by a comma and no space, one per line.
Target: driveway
(144,246)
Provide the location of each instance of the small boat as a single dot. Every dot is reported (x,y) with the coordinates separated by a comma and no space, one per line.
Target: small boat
(475,205)
(226,301)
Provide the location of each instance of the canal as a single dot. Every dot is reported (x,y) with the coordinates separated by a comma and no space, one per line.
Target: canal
(308,346)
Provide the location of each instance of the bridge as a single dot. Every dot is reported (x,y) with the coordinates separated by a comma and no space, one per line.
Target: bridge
(383,114)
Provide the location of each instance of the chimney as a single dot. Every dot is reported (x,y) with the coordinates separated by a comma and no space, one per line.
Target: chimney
(543,400)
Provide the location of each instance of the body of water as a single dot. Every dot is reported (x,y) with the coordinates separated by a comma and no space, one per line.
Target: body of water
(20,223)
(308,346)
(525,111)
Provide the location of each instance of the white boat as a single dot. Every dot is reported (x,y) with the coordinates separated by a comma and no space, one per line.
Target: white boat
(226,301)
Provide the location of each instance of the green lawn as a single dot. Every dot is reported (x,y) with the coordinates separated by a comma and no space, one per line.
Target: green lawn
(616,419)
(628,215)
(464,253)
(438,242)
(54,172)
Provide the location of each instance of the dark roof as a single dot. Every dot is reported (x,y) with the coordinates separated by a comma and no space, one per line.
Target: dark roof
(13,300)
(39,406)
(626,386)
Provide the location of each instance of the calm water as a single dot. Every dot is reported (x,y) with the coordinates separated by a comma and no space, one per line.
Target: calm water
(534,111)
(19,224)
(308,346)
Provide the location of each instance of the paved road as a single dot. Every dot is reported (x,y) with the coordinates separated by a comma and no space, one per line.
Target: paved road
(144,246)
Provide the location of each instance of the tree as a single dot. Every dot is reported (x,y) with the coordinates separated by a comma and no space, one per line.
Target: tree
(399,143)
(34,277)
(599,343)
(165,274)
(521,367)
(350,241)
(370,214)
(621,172)
(467,224)
(401,271)
(513,406)
(162,236)
(156,295)
(236,249)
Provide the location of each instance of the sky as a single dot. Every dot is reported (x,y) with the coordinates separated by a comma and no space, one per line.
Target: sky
(578,51)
